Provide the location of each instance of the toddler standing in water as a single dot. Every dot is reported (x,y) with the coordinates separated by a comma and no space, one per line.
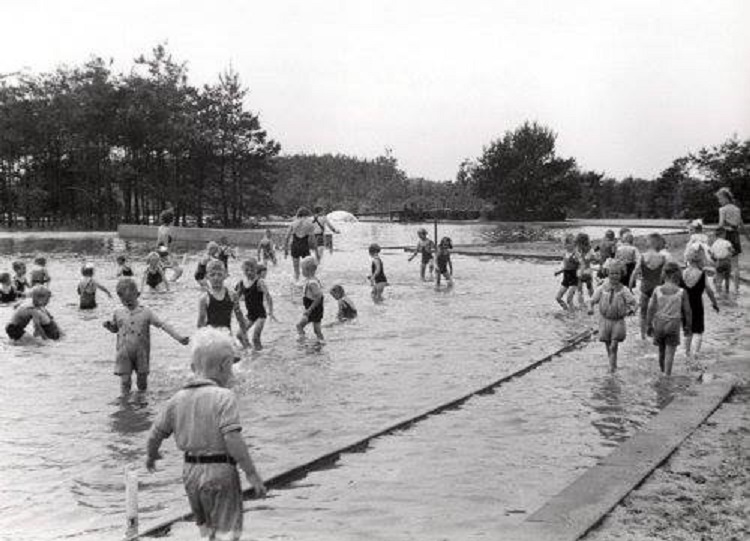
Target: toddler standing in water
(569,270)
(87,288)
(20,283)
(204,418)
(722,253)
(218,303)
(695,284)
(443,262)
(347,310)
(615,302)
(123,267)
(668,310)
(39,275)
(266,250)
(153,276)
(425,248)
(133,323)
(649,269)
(312,299)
(8,293)
(34,309)
(377,273)
(252,288)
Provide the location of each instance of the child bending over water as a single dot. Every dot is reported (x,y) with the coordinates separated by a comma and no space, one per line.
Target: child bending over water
(87,288)
(252,288)
(133,323)
(153,276)
(204,418)
(218,303)
(347,310)
(425,248)
(694,283)
(569,270)
(443,262)
(312,299)
(377,273)
(34,309)
(615,302)
(668,310)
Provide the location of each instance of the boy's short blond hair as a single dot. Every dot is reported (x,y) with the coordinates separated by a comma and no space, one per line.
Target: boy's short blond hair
(210,346)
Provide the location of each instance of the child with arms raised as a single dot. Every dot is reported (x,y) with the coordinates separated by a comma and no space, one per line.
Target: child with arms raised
(204,418)
(668,311)
(133,323)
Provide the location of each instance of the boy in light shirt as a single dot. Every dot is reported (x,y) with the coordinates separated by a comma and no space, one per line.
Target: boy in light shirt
(721,252)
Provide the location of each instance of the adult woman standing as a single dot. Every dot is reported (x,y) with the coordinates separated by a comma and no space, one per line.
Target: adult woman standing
(730,218)
(302,234)
(320,221)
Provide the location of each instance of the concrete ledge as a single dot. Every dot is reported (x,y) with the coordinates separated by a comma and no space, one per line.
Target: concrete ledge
(241,237)
(582,504)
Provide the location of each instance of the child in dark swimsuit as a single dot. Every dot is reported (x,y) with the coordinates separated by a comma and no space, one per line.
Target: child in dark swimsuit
(569,271)
(123,268)
(266,250)
(225,252)
(20,283)
(34,310)
(153,276)
(252,288)
(627,254)
(8,293)
(649,269)
(443,262)
(377,273)
(167,262)
(694,283)
(312,299)
(87,288)
(217,305)
(424,248)
(347,310)
(212,254)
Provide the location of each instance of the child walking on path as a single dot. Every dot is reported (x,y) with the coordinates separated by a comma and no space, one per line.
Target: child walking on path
(204,418)
(443,262)
(133,323)
(87,288)
(347,310)
(34,309)
(668,311)
(615,302)
(153,276)
(218,303)
(695,284)
(569,271)
(312,299)
(377,273)
(722,252)
(252,288)
(425,248)
(649,269)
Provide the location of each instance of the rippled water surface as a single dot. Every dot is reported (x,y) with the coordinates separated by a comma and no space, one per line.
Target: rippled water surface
(66,436)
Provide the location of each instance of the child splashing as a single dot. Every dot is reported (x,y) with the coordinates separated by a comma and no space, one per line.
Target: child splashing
(668,310)
(569,270)
(312,299)
(218,303)
(615,302)
(695,284)
(649,269)
(87,288)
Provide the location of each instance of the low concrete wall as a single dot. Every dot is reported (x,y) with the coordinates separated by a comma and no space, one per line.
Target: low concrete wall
(201,235)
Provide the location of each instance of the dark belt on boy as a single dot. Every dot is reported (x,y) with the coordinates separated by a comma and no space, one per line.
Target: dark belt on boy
(210,459)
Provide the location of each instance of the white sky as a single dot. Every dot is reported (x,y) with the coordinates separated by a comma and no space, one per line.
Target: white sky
(628,85)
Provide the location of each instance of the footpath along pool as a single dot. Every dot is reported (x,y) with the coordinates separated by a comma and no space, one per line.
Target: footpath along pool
(67,437)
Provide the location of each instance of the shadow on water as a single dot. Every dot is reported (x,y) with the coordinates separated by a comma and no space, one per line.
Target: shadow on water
(132,418)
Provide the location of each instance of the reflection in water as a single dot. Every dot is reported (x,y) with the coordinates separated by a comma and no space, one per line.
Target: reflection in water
(611,422)
(132,417)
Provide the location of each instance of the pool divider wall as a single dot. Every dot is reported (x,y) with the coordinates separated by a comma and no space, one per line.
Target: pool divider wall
(240,237)
(296,473)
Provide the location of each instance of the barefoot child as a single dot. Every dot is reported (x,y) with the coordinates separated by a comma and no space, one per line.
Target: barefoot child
(425,248)
(694,283)
(615,302)
(20,283)
(377,273)
(347,310)
(123,267)
(252,288)
(212,254)
(218,303)
(204,418)
(443,261)
(34,309)
(721,253)
(8,293)
(133,323)
(312,299)
(153,276)
(649,269)
(266,250)
(569,270)
(87,288)
(668,311)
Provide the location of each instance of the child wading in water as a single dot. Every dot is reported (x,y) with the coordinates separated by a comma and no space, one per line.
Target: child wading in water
(34,309)
(627,254)
(722,252)
(252,288)
(212,254)
(87,288)
(570,265)
(377,273)
(204,418)
(425,248)
(266,250)
(668,310)
(123,267)
(347,310)
(615,302)
(312,299)
(586,258)
(39,274)
(8,293)
(695,284)
(133,323)
(443,262)
(649,269)
(20,283)
(153,275)
(217,305)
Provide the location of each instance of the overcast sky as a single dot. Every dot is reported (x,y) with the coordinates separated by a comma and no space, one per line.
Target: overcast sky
(627,85)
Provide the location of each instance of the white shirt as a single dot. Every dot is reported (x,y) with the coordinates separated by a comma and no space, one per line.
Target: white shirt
(721,249)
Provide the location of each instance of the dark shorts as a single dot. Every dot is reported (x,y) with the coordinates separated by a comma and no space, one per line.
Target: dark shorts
(426,258)
(51,330)
(300,247)
(667,333)
(316,316)
(320,239)
(256,314)
(215,496)
(724,267)
(570,278)
(14,332)
(733,237)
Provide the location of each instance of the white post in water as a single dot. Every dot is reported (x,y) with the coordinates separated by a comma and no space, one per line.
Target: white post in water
(131,502)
